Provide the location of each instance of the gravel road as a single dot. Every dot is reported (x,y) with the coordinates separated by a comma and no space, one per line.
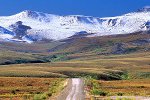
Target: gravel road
(73,91)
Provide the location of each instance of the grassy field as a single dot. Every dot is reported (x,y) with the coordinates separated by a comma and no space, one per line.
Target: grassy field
(92,58)
(18,88)
(129,74)
(138,87)
(129,66)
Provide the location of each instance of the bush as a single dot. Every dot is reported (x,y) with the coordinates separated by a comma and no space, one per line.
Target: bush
(13,91)
(125,76)
(140,86)
(40,97)
(102,93)
(120,94)
(99,92)
(49,94)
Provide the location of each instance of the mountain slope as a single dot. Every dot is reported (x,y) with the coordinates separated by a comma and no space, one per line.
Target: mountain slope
(55,27)
(6,34)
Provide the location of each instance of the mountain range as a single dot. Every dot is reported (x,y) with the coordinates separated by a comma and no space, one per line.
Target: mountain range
(31,26)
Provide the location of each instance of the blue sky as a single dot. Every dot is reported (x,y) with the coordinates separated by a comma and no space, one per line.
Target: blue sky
(98,8)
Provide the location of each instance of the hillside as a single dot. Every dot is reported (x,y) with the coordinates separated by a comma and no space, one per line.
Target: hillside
(83,46)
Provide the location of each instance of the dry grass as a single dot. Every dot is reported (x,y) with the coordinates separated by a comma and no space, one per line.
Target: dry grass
(79,57)
(136,65)
(17,87)
(126,87)
(138,87)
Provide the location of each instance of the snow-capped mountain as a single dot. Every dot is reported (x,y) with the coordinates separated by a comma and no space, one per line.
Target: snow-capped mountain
(6,34)
(55,27)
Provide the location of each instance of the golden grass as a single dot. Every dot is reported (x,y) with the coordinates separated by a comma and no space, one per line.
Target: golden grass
(137,65)
(18,87)
(127,87)
(138,87)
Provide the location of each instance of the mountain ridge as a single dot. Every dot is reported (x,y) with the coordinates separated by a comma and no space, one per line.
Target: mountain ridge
(55,27)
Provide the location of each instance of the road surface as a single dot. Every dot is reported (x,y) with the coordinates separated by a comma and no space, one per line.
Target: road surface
(73,91)
(76,92)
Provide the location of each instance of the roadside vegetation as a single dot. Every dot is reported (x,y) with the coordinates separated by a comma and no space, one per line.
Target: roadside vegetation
(117,90)
(131,71)
(29,88)
(115,65)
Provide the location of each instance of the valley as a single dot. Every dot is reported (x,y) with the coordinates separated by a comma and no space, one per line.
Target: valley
(43,54)
(98,62)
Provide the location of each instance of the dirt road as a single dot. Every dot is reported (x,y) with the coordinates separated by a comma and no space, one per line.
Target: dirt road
(73,91)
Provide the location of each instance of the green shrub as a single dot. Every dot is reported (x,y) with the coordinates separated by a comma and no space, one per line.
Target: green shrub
(13,91)
(40,97)
(99,92)
(125,76)
(120,94)
(49,94)
(103,93)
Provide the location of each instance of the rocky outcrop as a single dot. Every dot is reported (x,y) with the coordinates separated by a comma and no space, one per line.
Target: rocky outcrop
(19,29)
(118,48)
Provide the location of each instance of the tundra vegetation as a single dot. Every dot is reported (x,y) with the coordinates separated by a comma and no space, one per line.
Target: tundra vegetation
(111,66)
